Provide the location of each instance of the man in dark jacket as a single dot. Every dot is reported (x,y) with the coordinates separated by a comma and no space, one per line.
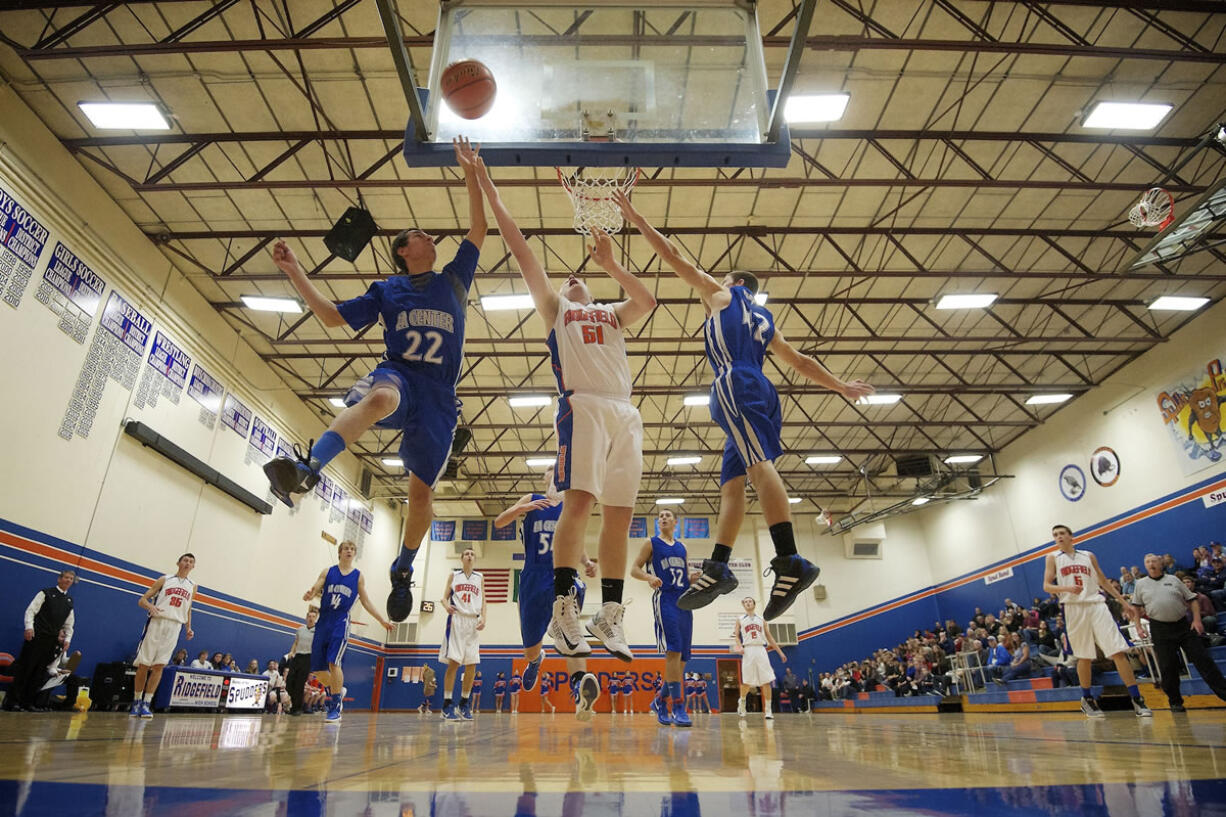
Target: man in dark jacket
(47,614)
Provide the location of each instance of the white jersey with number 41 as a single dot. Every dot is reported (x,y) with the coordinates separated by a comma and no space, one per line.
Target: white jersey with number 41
(466,592)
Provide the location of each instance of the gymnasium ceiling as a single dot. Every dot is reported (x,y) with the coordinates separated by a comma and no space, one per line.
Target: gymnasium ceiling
(960,165)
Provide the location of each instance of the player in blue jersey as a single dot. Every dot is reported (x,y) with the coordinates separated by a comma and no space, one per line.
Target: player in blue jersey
(337,588)
(540,514)
(412,390)
(738,333)
(662,564)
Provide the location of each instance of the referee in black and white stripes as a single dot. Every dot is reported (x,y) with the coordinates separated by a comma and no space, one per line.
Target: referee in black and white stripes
(1165,600)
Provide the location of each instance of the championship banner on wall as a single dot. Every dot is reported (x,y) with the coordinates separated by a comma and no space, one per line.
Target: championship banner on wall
(247,693)
(71,290)
(1191,410)
(504,534)
(22,239)
(196,689)
(236,416)
(207,391)
(473,530)
(696,527)
(638,527)
(166,374)
(442,530)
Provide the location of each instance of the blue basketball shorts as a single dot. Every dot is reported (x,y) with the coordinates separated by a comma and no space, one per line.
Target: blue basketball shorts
(674,626)
(746,406)
(328,645)
(536,604)
(427,416)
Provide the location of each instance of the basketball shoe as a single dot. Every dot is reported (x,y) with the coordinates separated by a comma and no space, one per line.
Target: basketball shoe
(134,709)
(400,600)
(564,627)
(585,699)
(660,706)
(606,626)
(333,710)
(715,581)
(466,711)
(1139,707)
(680,716)
(532,672)
(145,711)
(450,713)
(288,476)
(1091,708)
(793,575)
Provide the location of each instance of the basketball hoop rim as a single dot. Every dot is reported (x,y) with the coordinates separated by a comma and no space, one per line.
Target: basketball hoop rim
(567,182)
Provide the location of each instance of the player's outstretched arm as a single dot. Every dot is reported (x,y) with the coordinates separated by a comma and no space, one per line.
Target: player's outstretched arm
(1125,605)
(637,571)
(530,269)
(317,589)
(526,503)
(370,608)
(686,270)
(465,156)
(320,306)
(639,301)
(815,371)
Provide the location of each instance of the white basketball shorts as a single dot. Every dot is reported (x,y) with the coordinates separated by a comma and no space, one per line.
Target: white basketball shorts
(756,668)
(461,644)
(158,645)
(600,448)
(1090,624)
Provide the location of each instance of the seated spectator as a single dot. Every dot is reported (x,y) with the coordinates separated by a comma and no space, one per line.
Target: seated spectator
(991,625)
(278,696)
(227,663)
(1136,573)
(218,661)
(1127,582)
(1019,664)
(1050,607)
(202,661)
(180,658)
(998,657)
(1046,642)
(253,667)
(1064,671)
(1208,613)
(806,696)
(1168,564)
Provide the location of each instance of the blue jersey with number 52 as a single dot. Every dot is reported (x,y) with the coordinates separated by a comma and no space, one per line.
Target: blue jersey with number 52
(668,562)
(538,531)
(423,328)
(738,334)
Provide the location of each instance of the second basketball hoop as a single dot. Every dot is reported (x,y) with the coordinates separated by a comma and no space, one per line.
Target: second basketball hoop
(1155,209)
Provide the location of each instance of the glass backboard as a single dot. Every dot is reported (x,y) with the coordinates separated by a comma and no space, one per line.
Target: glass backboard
(605,83)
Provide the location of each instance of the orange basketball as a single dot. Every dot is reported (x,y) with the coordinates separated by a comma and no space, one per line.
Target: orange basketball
(468,88)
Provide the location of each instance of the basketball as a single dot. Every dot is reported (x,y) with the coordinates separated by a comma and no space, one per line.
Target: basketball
(468,88)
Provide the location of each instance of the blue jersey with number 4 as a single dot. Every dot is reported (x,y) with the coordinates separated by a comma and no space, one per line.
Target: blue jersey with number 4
(538,532)
(668,562)
(339,594)
(423,328)
(738,334)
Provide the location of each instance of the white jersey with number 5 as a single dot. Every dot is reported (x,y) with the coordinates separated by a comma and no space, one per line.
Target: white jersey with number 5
(588,350)
(753,631)
(1077,570)
(174,599)
(466,592)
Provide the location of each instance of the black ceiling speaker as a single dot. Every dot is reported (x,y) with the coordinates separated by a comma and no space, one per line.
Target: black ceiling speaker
(351,233)
(914,466)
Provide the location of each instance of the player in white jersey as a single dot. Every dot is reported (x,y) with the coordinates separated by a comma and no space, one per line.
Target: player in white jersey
(464,601)
(1074,575)
(599,432)
(752,638)
(169,604)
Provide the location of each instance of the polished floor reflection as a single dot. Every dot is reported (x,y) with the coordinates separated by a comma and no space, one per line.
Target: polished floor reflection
(397,764)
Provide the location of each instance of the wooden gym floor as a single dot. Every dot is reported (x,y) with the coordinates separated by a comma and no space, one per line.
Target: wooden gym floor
(412,766)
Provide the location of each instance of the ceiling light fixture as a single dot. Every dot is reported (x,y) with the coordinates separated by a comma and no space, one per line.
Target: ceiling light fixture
(815,107)
(125,115)
(1127,115)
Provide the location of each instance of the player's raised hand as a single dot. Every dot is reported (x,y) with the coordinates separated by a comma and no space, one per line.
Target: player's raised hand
(540,504)
(466,154)
(624,204)
(284,257)
(856,389)
(601,248)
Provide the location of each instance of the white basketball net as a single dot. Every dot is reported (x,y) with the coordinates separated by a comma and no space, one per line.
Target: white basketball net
(591,192)
(1154,209)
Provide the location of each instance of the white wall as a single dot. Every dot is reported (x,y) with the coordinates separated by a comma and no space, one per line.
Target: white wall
(1017,514)
(107,492)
